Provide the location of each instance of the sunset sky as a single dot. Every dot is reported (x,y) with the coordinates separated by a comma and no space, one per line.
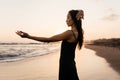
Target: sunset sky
(48,17)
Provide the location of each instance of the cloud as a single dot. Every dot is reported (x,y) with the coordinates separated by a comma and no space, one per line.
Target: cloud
(112,14)
(110,10)
(111,17)
(98,0)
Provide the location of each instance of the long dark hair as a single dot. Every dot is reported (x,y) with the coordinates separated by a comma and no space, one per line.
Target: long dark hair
(78,24)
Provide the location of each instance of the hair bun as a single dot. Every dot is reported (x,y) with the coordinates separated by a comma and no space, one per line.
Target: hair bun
(80,15)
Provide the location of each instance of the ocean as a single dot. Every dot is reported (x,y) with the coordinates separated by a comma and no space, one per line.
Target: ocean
(10,52)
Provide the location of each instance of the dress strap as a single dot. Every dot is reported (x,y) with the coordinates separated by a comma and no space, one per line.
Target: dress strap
(74,35)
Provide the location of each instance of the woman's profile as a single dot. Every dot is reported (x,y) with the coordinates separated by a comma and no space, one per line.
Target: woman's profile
(70,39)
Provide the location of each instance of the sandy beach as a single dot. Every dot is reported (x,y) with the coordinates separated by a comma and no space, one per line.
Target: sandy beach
(93,63)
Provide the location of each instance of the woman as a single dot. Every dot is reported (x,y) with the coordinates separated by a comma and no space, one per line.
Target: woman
(70,39)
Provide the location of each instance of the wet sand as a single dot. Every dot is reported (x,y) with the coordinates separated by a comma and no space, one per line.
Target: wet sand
(90,66)
(97,63)
(110,54)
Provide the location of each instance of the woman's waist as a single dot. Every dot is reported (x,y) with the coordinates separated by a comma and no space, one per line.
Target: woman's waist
(67,60)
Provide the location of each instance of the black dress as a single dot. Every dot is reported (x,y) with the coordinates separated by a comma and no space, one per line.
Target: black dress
(67,68)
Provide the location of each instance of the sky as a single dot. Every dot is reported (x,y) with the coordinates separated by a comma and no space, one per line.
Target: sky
(46,18)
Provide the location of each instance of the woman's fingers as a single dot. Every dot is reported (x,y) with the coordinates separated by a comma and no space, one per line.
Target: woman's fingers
(18,32)
(22,34)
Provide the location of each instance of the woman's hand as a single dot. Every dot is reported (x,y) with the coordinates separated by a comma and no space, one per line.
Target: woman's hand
(22,34)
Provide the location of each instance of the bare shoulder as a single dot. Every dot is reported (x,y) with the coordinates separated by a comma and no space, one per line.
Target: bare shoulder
(68,32)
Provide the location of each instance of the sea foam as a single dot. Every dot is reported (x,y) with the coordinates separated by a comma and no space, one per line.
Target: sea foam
(15,52)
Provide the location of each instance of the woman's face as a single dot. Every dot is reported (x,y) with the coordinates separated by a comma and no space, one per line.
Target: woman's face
(69,20)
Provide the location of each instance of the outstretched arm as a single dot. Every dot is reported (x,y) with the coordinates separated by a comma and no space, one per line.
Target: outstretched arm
(65,35)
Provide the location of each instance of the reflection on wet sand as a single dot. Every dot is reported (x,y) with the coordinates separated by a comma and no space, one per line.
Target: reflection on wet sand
(110,54)
(93,67)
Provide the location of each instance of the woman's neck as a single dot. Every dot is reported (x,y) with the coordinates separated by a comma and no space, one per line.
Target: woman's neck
(73,27)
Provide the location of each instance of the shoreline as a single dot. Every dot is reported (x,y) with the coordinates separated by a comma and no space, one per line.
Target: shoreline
(89,67)
(110,54)
(34,68)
